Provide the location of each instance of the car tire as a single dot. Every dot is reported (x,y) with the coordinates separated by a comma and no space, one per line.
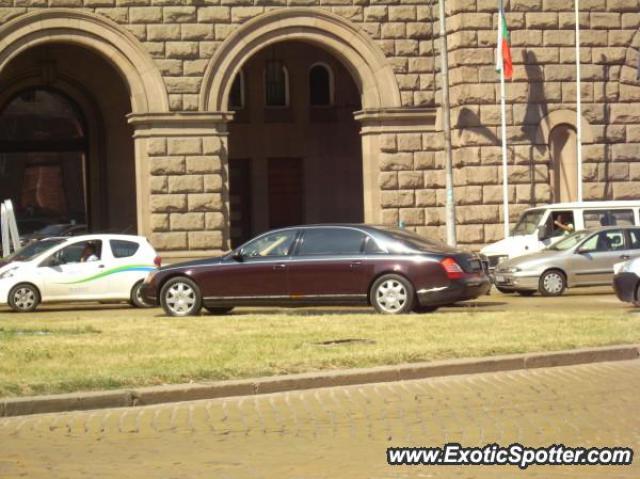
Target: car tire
(24,298)
(392,294)
(526,292)
(181,296)
(504,290)
(136,297)
(218,311)
(552,283)
(636,303)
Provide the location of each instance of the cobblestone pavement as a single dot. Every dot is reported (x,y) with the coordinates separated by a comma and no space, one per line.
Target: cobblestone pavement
(339,432)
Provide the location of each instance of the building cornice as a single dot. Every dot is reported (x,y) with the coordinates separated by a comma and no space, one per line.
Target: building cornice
(180,123)
(396,120)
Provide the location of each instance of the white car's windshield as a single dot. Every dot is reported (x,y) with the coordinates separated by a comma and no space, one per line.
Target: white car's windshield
(570,241)
(33,249)
(528,222)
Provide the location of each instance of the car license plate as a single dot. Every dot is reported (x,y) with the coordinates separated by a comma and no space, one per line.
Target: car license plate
(500,279)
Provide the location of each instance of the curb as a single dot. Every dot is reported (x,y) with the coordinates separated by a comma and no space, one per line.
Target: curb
(248,387)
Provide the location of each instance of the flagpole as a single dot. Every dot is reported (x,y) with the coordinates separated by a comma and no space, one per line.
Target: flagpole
(450,205)
(578,102)
(503,127)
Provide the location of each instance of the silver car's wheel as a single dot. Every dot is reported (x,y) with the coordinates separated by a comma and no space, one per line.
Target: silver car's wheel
(392,294)
(637,300)
(181,297)
(24,298)
(552,283)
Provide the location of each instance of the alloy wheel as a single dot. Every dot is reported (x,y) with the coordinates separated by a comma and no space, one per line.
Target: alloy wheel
(391,295)
(180,298)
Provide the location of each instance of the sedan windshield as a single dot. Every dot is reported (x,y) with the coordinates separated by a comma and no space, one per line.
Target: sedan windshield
(570,241)
(33,249)
(528,222)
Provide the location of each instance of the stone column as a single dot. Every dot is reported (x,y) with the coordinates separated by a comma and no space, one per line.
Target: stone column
(398,148)
(182,182)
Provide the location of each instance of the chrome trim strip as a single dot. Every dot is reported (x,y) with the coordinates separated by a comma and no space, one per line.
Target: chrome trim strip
(431,290)
(291,296)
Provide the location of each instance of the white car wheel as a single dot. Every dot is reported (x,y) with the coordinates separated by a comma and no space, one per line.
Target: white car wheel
(24,298)
(181,297)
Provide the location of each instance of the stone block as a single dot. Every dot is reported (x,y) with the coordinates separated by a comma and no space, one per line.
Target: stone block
(627,190)
(242,14)
(206,240)
(205,202)
(388,180)
(402,13)
(158,184)
(118,15)
(396,161)
(169,241)
(179,14)
(542,20)
(145,15)
(424,160)
(605,20)
(390,217)
(480,175)
(159,222)
(214,221)
(157,146)
(412,216)
(214,15)
(166,165)
(393,30)
(395,199)
(426,197)
(468,195)
(494,194)
(470,233)
(168,203)
(185,146)
(409,141)
(183,50)
(195,67)
(375,14)
(626,151)
(163,32)
(185,184)
(212,183)
(388,143)
(213,145)
(197,31)
(186,221)
(410,179)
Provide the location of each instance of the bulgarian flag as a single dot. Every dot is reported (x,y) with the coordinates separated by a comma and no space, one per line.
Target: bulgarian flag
(504,47)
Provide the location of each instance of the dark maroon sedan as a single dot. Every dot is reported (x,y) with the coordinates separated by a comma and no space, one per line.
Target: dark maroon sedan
(394,270)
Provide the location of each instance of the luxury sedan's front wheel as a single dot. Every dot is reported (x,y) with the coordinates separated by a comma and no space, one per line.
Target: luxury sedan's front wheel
(181,297)
(24,298)
(637,301)
(392,294)
(552,283)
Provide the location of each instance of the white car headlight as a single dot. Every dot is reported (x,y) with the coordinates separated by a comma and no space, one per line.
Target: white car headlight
(8,273)
(514,270)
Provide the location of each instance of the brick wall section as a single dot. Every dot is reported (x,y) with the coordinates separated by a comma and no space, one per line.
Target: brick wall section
(187,194)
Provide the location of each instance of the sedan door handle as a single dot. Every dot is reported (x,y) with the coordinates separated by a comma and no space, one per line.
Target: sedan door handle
(279,267)
(355,264)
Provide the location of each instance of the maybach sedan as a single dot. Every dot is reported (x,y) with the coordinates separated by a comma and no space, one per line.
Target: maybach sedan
(96,267)
(394,270)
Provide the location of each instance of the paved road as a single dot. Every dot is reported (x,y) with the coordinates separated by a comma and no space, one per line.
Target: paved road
(338,432)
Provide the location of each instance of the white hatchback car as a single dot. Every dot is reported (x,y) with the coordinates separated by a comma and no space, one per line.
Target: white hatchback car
(100,267)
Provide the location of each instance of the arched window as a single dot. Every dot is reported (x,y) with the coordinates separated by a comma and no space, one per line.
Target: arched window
(237,95)
(276,84)
(43,146)
(320,85)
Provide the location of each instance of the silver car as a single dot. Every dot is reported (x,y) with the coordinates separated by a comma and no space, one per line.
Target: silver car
(584,258)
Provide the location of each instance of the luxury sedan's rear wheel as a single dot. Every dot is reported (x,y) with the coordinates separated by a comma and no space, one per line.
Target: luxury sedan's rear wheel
(552,283)
(181,297)
(24,298)
(136,296)
(392,294)
(218,311)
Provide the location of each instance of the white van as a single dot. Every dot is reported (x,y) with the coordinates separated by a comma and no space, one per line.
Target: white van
(536,229)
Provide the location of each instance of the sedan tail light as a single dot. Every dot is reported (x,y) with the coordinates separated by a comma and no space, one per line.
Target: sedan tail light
(157,261)
(453,269)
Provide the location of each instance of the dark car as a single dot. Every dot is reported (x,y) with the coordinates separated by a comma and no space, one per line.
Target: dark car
(395,271)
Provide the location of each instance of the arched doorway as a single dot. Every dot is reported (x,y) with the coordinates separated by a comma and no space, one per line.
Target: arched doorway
(295,153)
(66,147)
(564,167)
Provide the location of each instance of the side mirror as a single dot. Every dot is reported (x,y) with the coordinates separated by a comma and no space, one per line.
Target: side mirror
(238,255)
(584,251)
(542,232)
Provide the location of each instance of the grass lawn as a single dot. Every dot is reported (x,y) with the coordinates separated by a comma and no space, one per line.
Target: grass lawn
(71,350)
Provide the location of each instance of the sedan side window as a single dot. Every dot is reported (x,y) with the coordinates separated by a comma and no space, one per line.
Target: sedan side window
(331,241)
(274,244)
(634,239)
(604,241)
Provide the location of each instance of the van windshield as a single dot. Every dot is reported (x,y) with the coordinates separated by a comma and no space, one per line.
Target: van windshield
(528,222)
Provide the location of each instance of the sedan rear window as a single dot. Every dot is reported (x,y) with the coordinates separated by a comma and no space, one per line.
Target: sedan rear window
(329,241)
(123,249)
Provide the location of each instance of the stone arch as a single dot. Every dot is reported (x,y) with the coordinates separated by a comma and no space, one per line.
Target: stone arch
(98,34)
(361,56)
(563,117)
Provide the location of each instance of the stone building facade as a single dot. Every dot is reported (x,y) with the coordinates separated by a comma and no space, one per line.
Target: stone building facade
(152,81)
